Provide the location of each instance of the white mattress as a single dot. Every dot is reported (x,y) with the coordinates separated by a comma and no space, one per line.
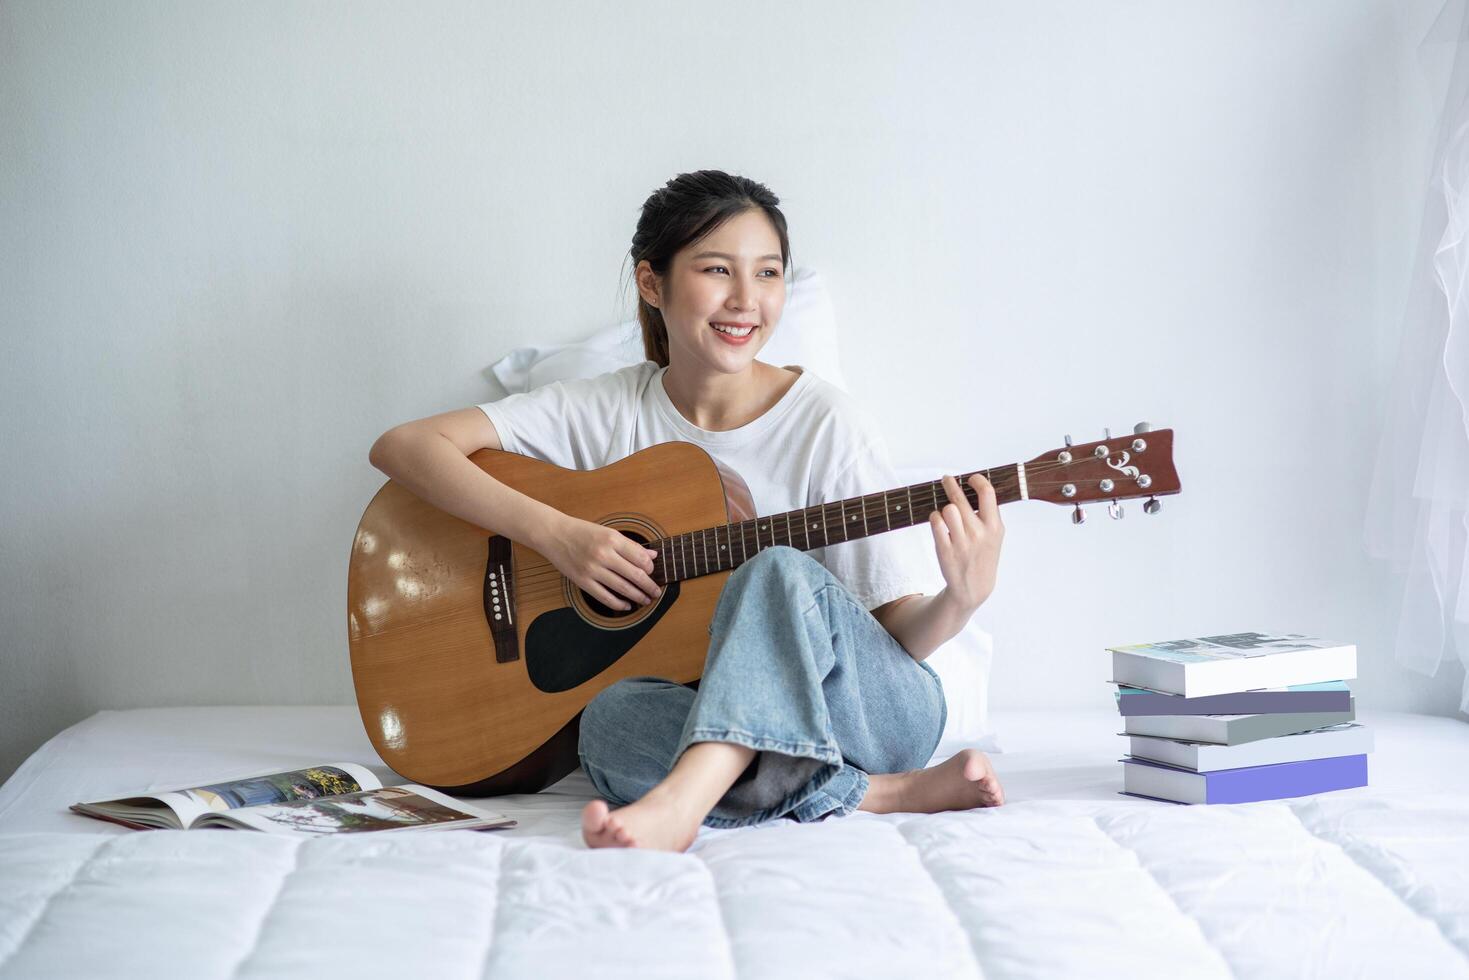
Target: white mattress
(1067,879)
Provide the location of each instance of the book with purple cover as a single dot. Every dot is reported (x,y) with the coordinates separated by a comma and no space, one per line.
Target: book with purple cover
(1328,696)
(1245,785)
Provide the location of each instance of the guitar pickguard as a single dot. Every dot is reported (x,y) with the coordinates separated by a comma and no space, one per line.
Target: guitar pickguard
(563,650)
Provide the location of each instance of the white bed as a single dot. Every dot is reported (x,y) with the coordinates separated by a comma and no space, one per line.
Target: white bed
(1067,879)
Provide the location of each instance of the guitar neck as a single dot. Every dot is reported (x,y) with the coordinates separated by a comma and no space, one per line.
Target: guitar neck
(726,546)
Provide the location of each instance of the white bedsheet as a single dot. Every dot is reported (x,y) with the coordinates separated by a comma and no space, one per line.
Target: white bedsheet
(1067,879)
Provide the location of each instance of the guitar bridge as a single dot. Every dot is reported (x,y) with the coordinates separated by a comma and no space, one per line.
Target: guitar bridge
(500,599)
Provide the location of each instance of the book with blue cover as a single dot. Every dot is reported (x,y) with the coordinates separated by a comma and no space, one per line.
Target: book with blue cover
(1232,662)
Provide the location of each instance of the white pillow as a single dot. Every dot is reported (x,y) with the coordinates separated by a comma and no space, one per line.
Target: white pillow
(806,335)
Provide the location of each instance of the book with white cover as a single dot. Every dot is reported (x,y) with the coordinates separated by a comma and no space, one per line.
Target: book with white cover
(1230,662)
(1236,729)
(1348,739)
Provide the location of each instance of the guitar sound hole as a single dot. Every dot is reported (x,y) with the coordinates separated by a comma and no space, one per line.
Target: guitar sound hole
(602,610)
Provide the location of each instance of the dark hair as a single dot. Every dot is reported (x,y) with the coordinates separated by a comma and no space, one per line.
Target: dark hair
(684,210)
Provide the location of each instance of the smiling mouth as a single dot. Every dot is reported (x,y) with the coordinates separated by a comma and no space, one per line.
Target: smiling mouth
(733,331)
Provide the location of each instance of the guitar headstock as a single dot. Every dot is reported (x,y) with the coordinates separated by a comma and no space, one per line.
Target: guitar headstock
(1112,469)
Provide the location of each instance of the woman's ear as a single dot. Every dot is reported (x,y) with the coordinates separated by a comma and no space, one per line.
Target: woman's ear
(648,284)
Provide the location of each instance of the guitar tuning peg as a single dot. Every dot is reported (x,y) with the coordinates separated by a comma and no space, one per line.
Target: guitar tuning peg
(1107,434)
(1114,510)
(1079,517)
(1068,440)
(1152,506)
(1140,428)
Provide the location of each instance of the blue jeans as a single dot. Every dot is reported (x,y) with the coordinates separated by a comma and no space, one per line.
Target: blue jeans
(798,670)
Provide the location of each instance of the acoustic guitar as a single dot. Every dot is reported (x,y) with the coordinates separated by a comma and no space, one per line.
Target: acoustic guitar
(473,656)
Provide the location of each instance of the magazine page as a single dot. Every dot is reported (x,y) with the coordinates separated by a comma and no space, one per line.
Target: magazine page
(392,808)
(181,807)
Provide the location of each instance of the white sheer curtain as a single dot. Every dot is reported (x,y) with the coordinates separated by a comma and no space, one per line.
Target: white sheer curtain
(1420,488)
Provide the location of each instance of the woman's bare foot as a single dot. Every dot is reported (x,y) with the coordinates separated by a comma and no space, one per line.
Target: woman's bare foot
(656,821)
(963,782)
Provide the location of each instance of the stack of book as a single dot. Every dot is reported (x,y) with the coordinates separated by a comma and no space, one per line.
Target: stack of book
(1239,718)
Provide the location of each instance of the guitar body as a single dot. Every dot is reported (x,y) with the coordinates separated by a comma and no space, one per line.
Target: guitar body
(457,699)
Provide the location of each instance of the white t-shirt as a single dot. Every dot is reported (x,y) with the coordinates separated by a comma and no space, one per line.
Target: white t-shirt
(814,446)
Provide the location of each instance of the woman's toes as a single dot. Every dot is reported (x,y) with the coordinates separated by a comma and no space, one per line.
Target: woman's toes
(598,827)
(594,816)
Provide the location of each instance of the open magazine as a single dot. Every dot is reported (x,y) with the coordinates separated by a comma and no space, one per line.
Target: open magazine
(332,799)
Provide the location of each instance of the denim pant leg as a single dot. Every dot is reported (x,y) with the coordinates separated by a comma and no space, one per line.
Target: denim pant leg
(800,671)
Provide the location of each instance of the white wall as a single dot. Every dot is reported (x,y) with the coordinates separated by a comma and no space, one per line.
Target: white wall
(240,241)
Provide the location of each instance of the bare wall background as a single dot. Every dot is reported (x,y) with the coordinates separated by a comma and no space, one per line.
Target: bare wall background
(240,241)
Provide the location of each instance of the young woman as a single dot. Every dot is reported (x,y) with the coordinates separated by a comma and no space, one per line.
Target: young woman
(814,699)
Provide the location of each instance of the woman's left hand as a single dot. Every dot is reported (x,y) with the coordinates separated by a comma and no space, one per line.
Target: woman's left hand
(968,542)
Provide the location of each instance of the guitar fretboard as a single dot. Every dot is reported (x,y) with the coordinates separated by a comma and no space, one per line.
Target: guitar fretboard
(726,546)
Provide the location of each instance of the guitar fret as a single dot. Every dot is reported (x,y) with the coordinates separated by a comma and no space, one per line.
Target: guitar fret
(909,490)
(806,526)
(865,532)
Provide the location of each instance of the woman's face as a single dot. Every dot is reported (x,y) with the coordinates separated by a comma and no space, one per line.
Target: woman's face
(741,286)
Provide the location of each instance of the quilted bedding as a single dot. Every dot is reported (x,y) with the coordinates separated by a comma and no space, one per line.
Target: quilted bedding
(1066,879)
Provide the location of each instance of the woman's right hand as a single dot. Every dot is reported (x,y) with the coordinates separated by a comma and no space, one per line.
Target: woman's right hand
(603,562)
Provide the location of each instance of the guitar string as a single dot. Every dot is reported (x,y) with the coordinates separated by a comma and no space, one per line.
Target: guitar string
(532,585)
